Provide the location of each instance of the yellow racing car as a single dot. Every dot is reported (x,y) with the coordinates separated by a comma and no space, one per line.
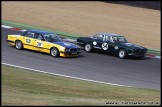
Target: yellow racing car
(44,41)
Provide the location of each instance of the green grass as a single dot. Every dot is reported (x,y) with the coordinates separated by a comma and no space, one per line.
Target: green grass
(154,52)
(21,87)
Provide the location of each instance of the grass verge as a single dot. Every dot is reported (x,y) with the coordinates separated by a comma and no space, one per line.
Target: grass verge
(21,87)
(25,26)
(63,34)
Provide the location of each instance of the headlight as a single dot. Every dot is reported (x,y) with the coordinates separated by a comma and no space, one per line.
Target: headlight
(62,48)
(67,50)
(116,47)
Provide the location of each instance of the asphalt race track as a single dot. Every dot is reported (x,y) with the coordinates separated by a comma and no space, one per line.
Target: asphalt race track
(143,73)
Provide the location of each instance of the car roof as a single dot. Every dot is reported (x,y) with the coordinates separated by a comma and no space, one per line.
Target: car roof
(108,34)
(39,31)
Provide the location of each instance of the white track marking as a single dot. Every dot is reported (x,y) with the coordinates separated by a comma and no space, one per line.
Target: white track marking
(64,75)
(7,27)
(158,57)
(23,30)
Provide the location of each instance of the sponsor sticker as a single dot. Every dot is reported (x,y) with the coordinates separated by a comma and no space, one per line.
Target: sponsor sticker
(39,44)
(116,47)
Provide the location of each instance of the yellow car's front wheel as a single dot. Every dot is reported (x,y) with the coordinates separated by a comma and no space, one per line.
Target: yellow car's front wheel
(55,52)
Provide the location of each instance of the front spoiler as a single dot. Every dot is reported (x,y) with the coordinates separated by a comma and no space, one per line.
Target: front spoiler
(137,55)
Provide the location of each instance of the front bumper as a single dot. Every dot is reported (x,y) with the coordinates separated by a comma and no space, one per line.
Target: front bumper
(69,54)
(137,55)
(137,52)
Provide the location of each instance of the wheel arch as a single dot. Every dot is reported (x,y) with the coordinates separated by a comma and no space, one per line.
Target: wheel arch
(88,42)
(20,41)
(122,48)
(53,47)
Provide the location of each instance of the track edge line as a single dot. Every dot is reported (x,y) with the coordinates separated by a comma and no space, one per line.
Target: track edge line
(65,75)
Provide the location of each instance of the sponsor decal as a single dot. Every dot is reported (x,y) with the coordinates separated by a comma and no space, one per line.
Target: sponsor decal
(105,46)
(28,40)
(94,43)
(116,47)
(39,44)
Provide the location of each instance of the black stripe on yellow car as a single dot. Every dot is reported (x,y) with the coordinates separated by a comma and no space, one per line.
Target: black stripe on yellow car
(9,41)
(37,46)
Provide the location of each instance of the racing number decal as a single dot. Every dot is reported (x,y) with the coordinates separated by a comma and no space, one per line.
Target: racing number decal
(104,46)
(39,44)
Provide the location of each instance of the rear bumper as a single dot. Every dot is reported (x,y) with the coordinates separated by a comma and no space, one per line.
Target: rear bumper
(9,41)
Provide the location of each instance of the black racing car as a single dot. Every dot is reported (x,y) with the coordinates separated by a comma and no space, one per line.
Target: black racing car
(112,43)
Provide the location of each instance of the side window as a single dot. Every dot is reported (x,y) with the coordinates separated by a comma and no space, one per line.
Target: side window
(95,37)
(100,37)
(107,38)
(29,34)
(38,36)
(115,39)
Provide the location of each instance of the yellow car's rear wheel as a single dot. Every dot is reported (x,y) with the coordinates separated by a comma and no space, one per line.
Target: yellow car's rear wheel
(54,52)
(19,45)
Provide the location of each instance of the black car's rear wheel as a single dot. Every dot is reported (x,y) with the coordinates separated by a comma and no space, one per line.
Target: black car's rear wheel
(88,47)
(122,53)
(19,45)
(55,52)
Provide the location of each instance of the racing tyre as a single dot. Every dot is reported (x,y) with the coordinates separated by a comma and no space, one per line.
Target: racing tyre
(18,45)
(55,52)
(88,47)
(122,53)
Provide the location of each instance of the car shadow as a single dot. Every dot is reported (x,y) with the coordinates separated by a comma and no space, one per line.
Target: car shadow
(79,56)
(138,58)
(113,55)
(42,53)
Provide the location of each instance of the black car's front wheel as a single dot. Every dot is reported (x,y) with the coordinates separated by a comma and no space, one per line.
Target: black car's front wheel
(122,53)
(88,47)
(55,52)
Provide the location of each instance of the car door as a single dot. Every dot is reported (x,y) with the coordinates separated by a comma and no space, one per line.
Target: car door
(98,41)
(40,43)
(28,40)
(110,44)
